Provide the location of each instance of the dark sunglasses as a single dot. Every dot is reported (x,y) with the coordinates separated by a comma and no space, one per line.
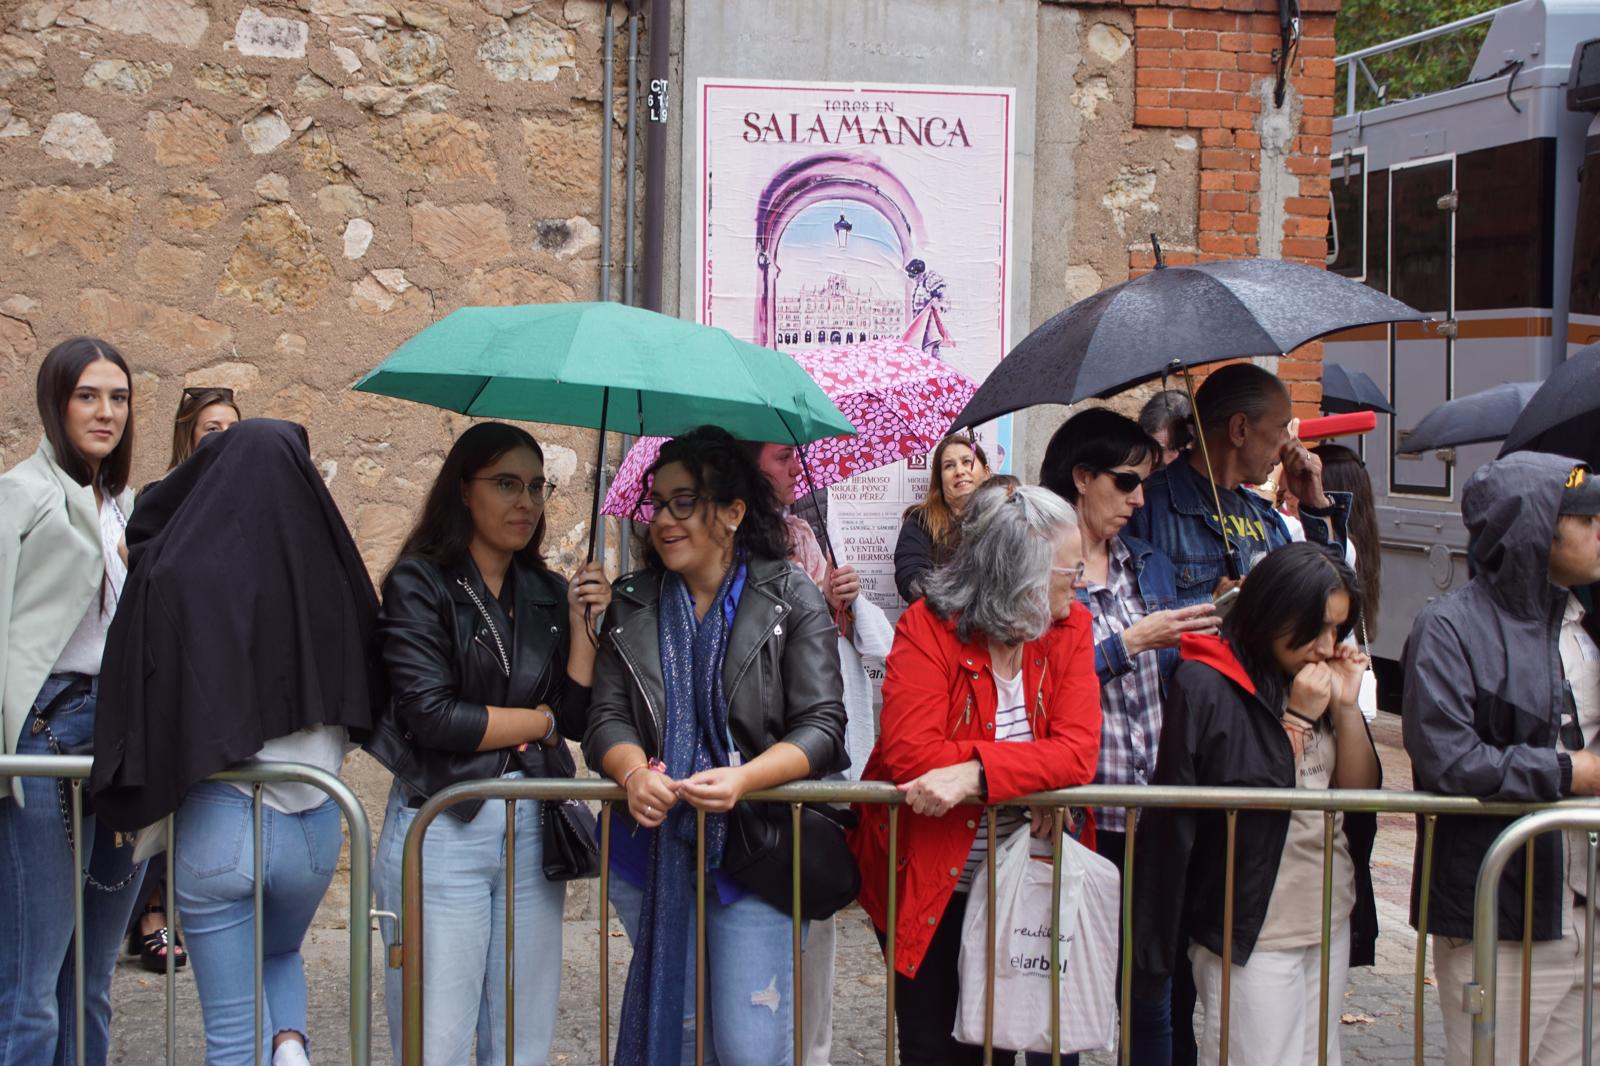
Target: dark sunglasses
(1126,481)
(1571,732)
(222,393)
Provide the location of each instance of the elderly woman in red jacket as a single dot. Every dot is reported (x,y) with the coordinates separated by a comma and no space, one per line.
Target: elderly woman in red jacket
(990,694)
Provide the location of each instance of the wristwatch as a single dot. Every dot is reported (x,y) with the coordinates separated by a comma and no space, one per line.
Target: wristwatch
(983,783)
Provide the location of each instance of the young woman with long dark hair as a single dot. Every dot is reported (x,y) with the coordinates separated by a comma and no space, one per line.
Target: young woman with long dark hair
(490,669)
(1269,703)
(718,676)
(62,567)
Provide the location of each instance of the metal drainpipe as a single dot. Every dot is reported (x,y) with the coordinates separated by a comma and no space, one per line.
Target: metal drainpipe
(606,106)
(625,528)
(655,159)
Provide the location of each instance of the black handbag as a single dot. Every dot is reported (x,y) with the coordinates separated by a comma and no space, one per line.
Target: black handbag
(570,853)
(759,854)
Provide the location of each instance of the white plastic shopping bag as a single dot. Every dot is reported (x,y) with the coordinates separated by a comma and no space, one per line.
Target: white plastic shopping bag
(1086,928)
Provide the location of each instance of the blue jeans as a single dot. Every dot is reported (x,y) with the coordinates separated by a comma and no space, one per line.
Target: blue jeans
(214,866)
(749,979)
(37,886)
(464,934)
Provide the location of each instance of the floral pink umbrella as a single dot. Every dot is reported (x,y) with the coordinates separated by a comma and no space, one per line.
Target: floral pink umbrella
(899,399)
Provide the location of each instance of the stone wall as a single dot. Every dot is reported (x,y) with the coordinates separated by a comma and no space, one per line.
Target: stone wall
(274,195)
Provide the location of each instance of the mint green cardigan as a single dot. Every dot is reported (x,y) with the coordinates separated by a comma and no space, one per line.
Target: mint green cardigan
(51,566)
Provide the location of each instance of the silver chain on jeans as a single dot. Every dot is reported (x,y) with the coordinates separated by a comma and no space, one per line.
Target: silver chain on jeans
(505,663)
(66,820)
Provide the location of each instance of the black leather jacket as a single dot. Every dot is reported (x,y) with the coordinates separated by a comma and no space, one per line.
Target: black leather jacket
(781,672)
(444,670)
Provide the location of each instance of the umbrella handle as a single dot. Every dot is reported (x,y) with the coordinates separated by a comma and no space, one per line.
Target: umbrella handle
(1230,560)
(595,518)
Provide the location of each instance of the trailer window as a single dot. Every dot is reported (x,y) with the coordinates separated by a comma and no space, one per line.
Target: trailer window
(1347,229)
(1378,230)
(1586,239)
(1505,226)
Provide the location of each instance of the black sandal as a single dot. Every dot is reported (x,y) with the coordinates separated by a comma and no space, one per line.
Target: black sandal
(152,947)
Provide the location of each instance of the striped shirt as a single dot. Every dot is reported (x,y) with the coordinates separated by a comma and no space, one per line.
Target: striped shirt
(1130,705)
(1010,724)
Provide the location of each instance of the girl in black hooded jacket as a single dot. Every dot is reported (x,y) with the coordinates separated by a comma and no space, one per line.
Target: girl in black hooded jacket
(1271,703)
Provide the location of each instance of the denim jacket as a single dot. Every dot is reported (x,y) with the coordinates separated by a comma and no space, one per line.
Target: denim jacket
(1179,518)
(1158,589)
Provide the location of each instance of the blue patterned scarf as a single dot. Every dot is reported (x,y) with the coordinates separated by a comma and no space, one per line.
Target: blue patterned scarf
(695,739)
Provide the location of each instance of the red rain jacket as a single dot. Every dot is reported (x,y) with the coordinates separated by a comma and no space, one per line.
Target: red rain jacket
(939,705)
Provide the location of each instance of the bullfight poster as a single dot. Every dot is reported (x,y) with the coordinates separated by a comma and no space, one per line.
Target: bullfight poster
(838,214)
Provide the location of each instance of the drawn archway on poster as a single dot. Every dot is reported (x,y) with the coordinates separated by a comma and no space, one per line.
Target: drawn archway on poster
(827,176)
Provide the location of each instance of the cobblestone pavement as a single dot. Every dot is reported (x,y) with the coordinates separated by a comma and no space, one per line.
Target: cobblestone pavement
(1377,1013)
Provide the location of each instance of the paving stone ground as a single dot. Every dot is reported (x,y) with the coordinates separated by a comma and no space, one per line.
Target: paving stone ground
(1378,1010)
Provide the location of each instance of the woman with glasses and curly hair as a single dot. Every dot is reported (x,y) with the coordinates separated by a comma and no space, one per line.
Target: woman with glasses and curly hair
(718,676)
(489,666)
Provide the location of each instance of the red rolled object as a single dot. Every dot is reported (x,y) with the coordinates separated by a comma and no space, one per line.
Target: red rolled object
(1329,426)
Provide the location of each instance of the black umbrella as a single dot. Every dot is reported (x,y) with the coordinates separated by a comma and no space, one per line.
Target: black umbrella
(1171,318)
(1564,415)
(1345,391)
(1482,416)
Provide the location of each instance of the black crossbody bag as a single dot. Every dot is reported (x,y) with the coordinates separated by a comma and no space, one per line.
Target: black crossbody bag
(759,854)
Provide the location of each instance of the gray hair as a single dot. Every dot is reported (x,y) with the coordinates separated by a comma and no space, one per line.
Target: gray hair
(1236,389)
(998,581)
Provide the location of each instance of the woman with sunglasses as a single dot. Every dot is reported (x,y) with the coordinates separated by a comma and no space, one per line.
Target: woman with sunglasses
(202,410)
(928,530)
(718,676)
(62,566)
(864,633)
(989,694)
(1098,461)
(489,662)
(1270,703)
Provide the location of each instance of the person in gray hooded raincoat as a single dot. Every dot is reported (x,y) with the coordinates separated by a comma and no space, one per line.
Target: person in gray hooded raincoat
(1498,675)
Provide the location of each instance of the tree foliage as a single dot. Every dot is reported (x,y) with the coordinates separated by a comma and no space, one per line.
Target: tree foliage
(1440,63)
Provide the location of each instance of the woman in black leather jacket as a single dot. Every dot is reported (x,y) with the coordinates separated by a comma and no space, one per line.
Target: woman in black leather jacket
(718,676)
(490,672)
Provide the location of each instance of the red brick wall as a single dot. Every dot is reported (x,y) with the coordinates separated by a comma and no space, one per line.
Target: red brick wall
(1198,67)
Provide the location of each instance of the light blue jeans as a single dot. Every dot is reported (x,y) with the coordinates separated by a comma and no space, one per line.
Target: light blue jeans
(749,979)
(214,884)
(464,935)
(37,886)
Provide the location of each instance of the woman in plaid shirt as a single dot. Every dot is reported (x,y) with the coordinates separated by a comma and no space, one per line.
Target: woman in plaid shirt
(1098,461)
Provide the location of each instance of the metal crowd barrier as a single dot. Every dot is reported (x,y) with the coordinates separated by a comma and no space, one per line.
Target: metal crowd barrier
(1569,813)
(75,769)
(1480,995)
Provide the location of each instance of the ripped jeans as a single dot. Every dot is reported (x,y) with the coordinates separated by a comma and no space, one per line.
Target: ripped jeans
(749,980)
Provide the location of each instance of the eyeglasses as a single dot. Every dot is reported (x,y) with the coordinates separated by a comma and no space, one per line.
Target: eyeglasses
(680,506)
(1074,572)
(512,487)
(1571,731)
(1126,481)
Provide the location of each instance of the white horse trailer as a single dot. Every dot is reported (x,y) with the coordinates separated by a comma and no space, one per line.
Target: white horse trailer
(1469,204)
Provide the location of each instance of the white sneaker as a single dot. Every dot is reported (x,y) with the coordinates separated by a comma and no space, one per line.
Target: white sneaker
(290,1053)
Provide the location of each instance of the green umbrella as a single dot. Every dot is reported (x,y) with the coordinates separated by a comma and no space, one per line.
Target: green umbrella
(606,366)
